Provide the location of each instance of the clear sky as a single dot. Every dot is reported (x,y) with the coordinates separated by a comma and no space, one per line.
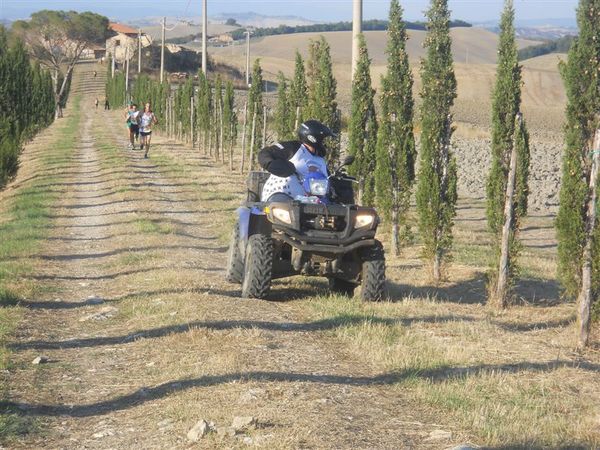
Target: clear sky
(322,10)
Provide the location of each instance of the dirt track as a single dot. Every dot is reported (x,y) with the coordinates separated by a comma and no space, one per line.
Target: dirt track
(144,338)
(170,343)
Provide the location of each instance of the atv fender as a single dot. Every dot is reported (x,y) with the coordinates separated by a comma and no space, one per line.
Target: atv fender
(252,220)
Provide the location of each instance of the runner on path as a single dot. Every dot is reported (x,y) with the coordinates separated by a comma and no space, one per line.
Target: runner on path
(146,121)
(133,128)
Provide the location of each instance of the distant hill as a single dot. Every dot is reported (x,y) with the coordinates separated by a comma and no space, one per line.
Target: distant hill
(560,45)
(262,21)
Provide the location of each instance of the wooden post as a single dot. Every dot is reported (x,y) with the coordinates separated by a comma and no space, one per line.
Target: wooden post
(264,136)
(438,257)
(216,128)
(231,142)
(584,300)
(222,146)
(253,137)
(297,121)
(192,121)
(126,72)
(501,294)
(244,137)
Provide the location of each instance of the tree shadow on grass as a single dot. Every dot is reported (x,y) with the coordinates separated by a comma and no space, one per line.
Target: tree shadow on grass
(471,291)
(527,291)
(164,390)
(340,321)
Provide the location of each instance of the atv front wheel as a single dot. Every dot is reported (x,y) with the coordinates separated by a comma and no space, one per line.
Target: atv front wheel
(235,260)
(258,267)
(342,287)
(373,274)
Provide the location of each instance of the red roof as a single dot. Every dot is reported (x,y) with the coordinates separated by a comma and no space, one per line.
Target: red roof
(120,28)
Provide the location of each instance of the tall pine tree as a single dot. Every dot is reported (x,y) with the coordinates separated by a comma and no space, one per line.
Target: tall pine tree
(322,97)
(283,112)
(255,110)
(396,152)
(506,103)
(298,98)
(581,75)
(363,126)
(436,188)
(229,121)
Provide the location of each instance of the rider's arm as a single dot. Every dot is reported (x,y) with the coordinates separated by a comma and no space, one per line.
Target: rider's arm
(275,159)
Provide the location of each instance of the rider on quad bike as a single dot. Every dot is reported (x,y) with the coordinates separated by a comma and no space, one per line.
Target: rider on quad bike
(291,162)
(300,219)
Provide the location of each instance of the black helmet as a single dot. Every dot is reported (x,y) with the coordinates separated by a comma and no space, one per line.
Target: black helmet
(313,132)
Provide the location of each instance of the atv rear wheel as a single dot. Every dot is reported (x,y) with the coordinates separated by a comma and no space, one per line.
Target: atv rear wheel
(235,260)
(373,274)
(342,287)
(258,267)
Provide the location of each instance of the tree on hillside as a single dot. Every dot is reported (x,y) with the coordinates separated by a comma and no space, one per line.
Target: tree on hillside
(363,127)
(322,92)
(203,111)
(229,121)
(255,110)
(218,110)
(506,104)
(396,152)
(578,255)
(58,38)
(436,188)
(298,98)
(283,111)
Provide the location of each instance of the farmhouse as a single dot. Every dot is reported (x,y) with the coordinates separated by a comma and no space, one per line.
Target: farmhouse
(124,41)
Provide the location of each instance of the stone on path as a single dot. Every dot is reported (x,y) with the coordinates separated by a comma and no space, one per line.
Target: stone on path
(439,435)
(241,423)
(198,431)
(40,360)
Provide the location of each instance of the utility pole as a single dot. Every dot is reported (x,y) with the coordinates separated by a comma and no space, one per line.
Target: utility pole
(140,50)
(126,71)
(162,51)
(204,27)
(112,62)
(247,33)
(356,30)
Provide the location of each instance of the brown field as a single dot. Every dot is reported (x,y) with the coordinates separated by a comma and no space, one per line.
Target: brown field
(474,52)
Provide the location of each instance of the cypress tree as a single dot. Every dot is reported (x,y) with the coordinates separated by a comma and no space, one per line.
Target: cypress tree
(229,121)
(217,109)
(581,75)
(203,109)
(436,187)
(322,97)
(255,105)
(396,152)
(506,103)
(298,98)
(363,126)
(26,102)
(283,111)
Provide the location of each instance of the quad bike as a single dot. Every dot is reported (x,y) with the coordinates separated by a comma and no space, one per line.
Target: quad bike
(322,234)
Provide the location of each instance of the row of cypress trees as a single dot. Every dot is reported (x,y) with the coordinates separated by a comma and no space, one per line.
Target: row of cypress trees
(26,101)
(385,149)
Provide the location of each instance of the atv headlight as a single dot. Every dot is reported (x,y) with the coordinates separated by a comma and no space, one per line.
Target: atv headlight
(364,220)
(319,187)
(282,215)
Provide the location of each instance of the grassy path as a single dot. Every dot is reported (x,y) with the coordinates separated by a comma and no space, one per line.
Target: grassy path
(123,294)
